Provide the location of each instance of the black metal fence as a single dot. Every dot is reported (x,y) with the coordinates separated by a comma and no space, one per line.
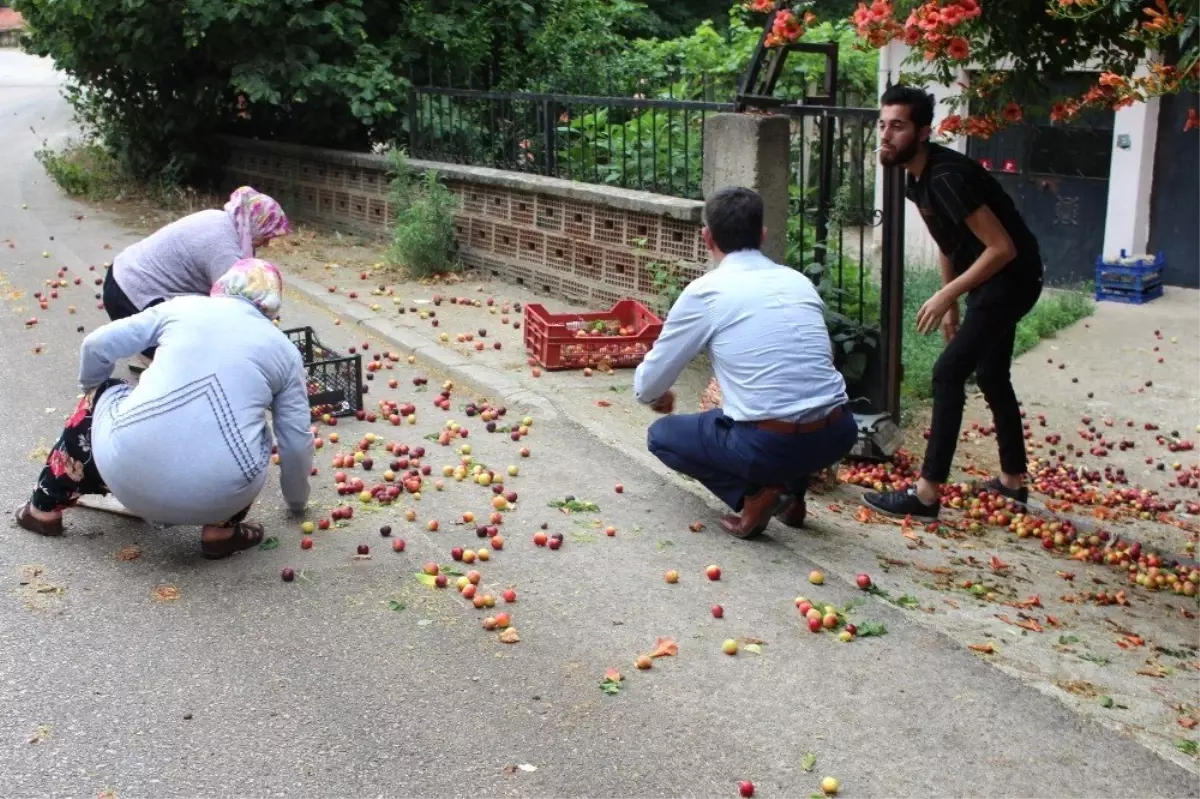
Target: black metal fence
(650,144)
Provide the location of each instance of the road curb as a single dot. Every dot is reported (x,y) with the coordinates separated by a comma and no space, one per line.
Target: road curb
(458,367)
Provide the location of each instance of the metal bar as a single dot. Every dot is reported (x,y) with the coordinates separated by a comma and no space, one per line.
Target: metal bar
(750,76)
(413,120)
(670,141)
(824,179)
(550,109)
(687,153)
(891,317)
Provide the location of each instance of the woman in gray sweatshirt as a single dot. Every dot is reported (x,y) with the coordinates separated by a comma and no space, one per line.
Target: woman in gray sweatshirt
(190,254)
(189,444)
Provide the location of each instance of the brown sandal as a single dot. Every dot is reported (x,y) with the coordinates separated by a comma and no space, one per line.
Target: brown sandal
(243,536)
(26,521)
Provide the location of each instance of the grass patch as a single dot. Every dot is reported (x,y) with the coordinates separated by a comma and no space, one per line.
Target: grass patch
(1055,311)
(85,169)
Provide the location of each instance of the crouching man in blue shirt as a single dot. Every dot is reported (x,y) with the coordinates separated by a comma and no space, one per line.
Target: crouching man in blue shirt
(762,325)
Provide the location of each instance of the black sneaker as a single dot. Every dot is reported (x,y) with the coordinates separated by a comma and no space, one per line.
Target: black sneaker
(1017,495)
(901,504)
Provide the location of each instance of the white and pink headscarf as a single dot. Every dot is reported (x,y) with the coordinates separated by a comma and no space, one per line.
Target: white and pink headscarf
(255,280)
(255,217)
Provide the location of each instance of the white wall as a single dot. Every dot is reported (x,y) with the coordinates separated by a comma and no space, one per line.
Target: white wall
(1127,219)
(920,251)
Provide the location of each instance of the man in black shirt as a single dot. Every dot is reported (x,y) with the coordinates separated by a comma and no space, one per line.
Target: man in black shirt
(987,253)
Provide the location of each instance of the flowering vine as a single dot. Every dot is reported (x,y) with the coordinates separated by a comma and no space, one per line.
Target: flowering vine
(950,34)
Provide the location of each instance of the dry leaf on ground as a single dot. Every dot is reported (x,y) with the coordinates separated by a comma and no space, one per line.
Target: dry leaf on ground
(665,647)
(509,636)
(165,593)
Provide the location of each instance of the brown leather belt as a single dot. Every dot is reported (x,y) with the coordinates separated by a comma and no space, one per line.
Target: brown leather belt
(788,428)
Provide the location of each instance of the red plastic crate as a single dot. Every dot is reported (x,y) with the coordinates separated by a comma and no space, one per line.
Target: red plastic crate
(554,340)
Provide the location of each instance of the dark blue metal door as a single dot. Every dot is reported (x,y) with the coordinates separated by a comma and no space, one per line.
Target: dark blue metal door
(1057,173)
(1175,197)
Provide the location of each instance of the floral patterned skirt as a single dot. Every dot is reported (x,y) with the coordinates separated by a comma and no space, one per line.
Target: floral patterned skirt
(70,470)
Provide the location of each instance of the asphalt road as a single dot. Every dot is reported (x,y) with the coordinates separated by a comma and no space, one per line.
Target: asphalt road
(248,686)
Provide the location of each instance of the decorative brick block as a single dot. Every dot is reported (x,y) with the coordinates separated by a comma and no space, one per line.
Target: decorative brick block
(575,290)
(521,208)
(642,230)
(482,232)
(532,246)
(560,253)
(609,226)
(506,240)
(620,270)
(578,219)
(473,200)
(549,214)
(496,204)
(588,260)
(680,239)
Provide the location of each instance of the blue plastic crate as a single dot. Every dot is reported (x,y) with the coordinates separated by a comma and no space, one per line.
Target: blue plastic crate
(1130,280)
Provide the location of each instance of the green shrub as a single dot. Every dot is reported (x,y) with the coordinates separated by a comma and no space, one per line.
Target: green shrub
(423,240)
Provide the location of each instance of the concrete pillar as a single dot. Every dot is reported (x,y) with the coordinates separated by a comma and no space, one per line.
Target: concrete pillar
(1127,221)
(752,151)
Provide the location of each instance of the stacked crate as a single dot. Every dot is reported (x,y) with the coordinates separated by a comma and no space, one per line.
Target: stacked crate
(1130,280)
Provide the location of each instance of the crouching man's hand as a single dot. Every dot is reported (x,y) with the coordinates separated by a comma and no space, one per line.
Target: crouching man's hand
(665,403)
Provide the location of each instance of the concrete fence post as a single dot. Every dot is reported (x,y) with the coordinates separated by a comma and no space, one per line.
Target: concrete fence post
(752,151)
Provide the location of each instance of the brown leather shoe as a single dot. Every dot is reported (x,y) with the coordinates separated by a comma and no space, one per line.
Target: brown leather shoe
(794,513)
(756,513)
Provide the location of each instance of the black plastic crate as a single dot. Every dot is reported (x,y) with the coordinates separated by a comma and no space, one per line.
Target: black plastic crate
(335,381)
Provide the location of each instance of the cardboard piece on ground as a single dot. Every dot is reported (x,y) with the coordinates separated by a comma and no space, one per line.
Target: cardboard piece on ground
(105,504)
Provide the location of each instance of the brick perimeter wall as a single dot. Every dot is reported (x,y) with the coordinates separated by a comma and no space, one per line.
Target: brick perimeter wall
(587,244)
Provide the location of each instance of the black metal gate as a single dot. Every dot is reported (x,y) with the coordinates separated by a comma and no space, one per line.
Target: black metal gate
(1057,174)
(1175,196)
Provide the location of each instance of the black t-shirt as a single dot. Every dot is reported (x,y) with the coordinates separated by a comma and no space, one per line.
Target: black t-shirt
(950,189)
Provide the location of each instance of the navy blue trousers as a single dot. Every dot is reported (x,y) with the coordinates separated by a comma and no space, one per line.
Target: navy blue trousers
(733,459)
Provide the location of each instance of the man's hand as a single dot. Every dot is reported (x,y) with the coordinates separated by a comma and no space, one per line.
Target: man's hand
(665,403)
(950,323)
(934,309)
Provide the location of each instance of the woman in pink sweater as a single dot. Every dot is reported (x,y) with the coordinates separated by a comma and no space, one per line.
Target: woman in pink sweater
(189,255)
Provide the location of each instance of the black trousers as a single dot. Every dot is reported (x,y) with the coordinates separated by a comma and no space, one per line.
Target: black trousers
(983,346)
(119,306)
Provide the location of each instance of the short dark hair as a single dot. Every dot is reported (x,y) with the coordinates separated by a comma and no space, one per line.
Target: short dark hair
(734,216)
(919,102)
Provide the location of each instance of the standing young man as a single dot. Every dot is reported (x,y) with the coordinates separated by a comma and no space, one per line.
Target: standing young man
(763,327)
(987,253)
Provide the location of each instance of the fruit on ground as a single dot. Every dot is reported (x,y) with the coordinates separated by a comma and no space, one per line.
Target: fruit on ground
(398,545)
(363,549)
(306,543)
(288,575)
(718,612)
(510,595)
(864,581)
(746,788)
(830,785)
(713,572)
(814,624)
(672,576)
(430,568)
(730,647)
(845,636)
(539,539)
(441,581)
(307,528)
(816,577)
(644,662)
(829,621)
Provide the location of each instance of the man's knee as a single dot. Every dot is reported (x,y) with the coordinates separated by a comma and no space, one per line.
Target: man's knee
(658,435)
(994,382)
(948,373)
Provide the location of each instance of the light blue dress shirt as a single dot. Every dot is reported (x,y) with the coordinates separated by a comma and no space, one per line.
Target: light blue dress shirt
(763,327)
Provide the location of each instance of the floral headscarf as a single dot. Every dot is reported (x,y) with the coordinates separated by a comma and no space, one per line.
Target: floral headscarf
(255,216)
(254,280)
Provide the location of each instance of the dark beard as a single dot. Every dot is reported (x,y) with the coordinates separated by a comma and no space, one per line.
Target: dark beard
(901,157)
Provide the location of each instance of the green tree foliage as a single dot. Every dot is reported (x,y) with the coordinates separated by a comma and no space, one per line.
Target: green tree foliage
(156,79)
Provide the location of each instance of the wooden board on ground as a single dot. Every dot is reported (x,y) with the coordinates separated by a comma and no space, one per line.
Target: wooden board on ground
(105,504)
